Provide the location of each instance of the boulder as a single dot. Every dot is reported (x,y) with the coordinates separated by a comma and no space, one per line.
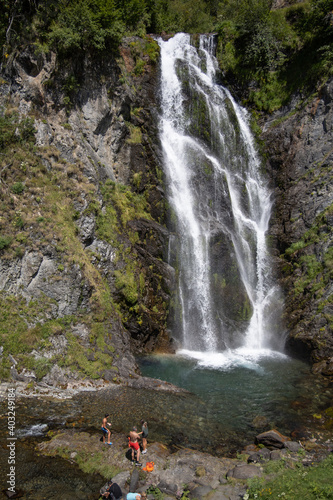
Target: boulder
(244,472)
(259,422)
(275,455)
(292,446)
(260,456)
(167,488)
(200,492)
(134,481)
(121,479)
(272,439)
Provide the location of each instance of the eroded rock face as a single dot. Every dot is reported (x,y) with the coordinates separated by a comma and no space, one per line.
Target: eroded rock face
(299,144)
(100,129)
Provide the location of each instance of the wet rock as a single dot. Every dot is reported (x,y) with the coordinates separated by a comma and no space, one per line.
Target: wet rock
(299,152)
(325,367)
(259,422)
(271,439)
(250,448)
(151,383)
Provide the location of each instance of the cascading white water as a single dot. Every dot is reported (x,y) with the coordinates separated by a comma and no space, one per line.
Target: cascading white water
(221,205)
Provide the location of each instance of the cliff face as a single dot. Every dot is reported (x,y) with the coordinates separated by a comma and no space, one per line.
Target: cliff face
(82,277)
(299,148)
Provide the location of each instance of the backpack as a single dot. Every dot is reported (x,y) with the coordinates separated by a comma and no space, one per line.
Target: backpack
(149,467)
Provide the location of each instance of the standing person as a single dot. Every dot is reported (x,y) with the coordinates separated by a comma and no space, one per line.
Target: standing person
(134,445)
(144,436)
(106,431)
(115,489)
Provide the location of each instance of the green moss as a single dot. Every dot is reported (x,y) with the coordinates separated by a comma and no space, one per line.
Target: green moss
(135,134)
(122,205)
(77,358)
(126,284)
(96,463)
(314,270)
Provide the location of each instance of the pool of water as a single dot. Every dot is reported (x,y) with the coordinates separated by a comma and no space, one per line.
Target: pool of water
(241,393)
(231,398)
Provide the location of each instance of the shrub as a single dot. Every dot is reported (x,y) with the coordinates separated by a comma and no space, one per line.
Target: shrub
(17,188)
(5,241)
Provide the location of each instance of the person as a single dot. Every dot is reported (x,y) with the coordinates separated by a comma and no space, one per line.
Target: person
(113,492)
(106,431)
(144,435)
(136,496)
(134,445)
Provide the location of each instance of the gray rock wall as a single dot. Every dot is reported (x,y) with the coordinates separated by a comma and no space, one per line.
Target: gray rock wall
(299,147)
(95,123)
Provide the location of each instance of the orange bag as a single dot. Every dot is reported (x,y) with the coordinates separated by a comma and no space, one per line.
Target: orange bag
(149,467)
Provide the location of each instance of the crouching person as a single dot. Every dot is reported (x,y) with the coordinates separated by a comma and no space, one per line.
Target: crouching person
(113,492)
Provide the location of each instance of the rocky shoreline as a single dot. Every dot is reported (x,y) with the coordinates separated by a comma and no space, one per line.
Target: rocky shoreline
(178,470)
(75,386)
(186,472)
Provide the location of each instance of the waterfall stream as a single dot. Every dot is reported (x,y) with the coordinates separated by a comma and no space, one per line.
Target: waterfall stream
(220,208)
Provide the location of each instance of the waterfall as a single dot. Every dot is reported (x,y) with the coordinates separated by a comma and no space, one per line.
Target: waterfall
(220,208)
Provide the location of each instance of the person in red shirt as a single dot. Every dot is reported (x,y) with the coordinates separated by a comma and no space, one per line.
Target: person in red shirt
(134,445)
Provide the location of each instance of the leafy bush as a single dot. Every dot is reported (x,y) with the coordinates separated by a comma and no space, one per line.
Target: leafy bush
(15,130)
(17,188)
(79,26)
(5,241)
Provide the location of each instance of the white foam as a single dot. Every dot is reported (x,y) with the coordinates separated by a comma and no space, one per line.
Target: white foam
(33,430)
(237,358)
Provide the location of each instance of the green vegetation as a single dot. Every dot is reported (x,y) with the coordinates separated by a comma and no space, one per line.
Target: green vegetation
(309,271)
(276,52)
(37,211)
(271,52)
(96,463)
(317,270)
(300,482)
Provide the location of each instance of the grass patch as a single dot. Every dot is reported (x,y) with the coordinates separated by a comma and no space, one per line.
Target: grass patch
(308,483)
(91,463)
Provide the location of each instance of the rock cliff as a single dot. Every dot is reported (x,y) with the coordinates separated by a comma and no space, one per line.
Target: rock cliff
(84,283)
(83,279)
(299,149)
